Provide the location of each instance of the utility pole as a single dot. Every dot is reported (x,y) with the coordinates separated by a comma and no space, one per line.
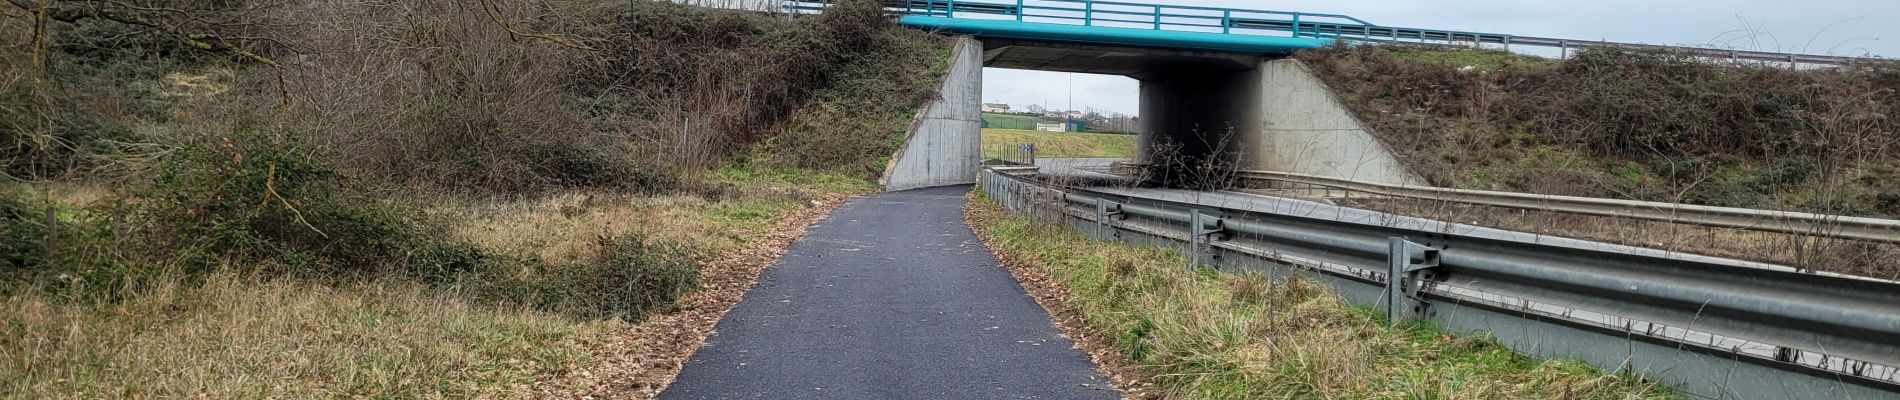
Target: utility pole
(1068,116)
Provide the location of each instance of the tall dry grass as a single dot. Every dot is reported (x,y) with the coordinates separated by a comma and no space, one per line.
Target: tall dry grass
(1199,333)
(236,336)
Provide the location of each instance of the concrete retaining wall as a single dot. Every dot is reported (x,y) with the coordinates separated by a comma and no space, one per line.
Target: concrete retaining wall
(943,145)
(1304,129)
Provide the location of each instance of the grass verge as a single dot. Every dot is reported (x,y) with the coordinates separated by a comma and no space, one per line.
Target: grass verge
(1208,335)
(235,336)
(247,332)
(1060,144)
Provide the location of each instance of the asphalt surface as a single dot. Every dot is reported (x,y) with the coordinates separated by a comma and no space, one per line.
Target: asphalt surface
(889,297)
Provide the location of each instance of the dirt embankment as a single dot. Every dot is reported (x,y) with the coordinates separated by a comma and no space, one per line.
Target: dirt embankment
(1641,125)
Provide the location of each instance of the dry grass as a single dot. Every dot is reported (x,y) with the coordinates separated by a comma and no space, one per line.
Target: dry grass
(1644,125)
(1800,251)
(1204,334)
(567,228)
(240,337)
(1060,144)
(249,336)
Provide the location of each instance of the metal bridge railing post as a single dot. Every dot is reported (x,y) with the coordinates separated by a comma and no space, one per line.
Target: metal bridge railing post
(1157,17)
(950,9)
(1019,10)
(1088,13)
(1296,24)
(1226,21)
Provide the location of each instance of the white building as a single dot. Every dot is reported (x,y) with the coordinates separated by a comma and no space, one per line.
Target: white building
(995,107)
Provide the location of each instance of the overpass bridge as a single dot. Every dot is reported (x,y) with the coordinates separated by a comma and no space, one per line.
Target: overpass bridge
(1215,84)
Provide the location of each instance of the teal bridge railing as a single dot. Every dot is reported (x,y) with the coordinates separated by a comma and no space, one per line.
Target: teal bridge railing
(1217,29)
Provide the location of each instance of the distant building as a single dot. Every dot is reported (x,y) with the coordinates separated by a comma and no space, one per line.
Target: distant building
(995,107)
(1052,127)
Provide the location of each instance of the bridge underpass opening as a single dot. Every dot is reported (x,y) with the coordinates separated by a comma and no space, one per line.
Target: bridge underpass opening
(1194,106)
(1199,111)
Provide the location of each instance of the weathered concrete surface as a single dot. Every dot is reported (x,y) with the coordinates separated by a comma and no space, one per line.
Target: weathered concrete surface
(1304,129)
(1192,112)
(1271,115)
(943,145)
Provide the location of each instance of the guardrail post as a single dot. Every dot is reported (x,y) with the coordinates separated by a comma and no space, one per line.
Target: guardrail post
(1405,261)
(1104,210)
(1199,232)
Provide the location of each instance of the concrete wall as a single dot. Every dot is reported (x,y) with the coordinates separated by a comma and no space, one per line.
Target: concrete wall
(1202,111)
(1274,116)
(943,145)
(1304,129)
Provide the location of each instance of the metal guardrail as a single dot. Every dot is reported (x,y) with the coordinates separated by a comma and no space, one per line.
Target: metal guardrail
(1820,225)
(1261,22)
(1708,326)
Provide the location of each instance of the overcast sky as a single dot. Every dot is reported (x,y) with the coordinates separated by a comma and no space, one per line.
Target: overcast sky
(1838,27)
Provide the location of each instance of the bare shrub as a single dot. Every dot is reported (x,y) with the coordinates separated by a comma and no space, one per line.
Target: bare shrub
(1635,124)
(828,91)
(437,93)
(1200,160)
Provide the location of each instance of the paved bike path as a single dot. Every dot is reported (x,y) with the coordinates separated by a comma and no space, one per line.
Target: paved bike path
(889,297)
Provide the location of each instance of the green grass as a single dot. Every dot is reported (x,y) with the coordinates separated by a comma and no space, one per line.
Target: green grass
(794,178)
(1206,334)
(1009,121)
(1060,144)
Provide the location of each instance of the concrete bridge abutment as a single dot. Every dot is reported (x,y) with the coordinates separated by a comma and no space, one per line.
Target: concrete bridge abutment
(1199,111)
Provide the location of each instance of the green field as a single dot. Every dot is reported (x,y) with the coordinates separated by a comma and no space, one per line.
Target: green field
(1059,144)
(1008,121)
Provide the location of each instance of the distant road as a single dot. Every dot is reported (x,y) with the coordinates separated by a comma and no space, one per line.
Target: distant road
(890,297)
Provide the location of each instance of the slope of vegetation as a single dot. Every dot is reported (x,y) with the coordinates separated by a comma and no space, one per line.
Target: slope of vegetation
(1060,144)
(1644,125)
(1209,335)
(240,199)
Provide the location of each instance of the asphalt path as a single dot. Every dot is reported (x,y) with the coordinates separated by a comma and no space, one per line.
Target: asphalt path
(889,297)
